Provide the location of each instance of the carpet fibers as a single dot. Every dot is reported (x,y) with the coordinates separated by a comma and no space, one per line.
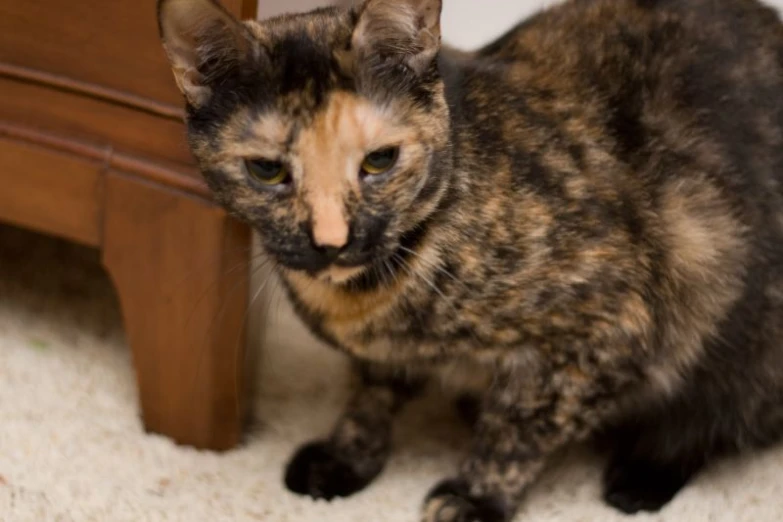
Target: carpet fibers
(72,448)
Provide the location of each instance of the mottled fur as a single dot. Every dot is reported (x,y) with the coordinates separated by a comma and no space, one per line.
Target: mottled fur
(586,220)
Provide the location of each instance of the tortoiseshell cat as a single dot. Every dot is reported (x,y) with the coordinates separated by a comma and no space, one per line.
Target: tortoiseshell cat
(582,221)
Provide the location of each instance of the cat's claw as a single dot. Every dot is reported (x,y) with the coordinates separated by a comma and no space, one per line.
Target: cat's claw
(316,471)
(451,501)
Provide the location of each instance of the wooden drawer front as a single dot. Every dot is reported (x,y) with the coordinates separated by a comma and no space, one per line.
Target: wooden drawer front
(53,192)
(88,119)
(110,43)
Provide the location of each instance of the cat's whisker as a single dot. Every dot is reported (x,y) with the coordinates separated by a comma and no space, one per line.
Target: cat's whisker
(430,283)
(216,279)
(215,319)
(403,296)
(377,273)
(390,270)
(274,295)
(434,287)
(204,265)
(280,297)
(243,351)
(434,265)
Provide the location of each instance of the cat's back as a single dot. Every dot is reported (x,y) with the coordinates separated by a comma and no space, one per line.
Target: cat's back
(683,99)
(701,78)
(696,53)
(670,111)
(580,29)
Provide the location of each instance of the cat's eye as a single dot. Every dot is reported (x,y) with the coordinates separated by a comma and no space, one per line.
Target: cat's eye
(267,172)
(380,161)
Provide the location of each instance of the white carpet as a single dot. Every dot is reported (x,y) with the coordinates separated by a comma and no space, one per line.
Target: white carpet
(72,448)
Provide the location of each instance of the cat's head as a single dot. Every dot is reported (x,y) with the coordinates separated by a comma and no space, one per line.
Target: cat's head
(323,130)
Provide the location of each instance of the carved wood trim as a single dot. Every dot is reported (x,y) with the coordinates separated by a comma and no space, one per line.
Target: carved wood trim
(179,177)
(132,101)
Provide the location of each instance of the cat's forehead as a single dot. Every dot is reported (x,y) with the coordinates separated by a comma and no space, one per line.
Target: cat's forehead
(325,25)
(304,38)
(300,56)
(304,92)
(344,121)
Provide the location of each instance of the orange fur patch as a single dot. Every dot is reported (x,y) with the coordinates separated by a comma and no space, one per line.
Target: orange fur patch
(330,152)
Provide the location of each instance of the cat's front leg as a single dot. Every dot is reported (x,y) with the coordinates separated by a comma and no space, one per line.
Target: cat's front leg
(359,445)
(522,422)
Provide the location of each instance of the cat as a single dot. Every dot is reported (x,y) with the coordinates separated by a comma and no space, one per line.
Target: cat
(582,221)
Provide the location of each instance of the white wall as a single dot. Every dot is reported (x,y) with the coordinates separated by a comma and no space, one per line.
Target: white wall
(776,3)
(471,23)
(267,8)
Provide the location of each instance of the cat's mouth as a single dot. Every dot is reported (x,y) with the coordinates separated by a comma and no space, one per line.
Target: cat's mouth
(378,270)
(362,271)
(341,275)
(361,274)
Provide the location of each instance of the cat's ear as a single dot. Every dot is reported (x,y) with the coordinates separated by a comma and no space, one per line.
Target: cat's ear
(409,29)
(201,39)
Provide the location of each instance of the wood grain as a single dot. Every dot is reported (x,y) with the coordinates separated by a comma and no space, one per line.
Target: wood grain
(92,148)
(114,43)
(50,191)
(184,178)
(92,120)
(181,268)
(64,83)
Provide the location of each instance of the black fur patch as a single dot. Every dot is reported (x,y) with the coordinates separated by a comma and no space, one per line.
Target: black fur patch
(633,486)
(315,471)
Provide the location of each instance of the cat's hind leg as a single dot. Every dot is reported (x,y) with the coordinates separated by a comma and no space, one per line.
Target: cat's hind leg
(653,458)
(633,484)
(656,455)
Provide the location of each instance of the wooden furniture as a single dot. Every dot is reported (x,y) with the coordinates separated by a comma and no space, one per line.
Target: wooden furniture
(92,149)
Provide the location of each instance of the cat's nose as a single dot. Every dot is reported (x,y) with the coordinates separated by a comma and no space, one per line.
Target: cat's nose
(330,251)
(329,228)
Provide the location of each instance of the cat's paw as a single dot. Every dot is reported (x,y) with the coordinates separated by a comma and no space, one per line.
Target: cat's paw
(632,486)
(316,471)
(450,501)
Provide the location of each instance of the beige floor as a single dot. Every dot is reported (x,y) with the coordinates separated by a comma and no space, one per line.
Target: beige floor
(72,448)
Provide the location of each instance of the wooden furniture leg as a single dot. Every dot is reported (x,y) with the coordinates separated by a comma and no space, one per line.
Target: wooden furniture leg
(180,266)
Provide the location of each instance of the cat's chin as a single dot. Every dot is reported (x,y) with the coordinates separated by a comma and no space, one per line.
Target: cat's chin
(339,275)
